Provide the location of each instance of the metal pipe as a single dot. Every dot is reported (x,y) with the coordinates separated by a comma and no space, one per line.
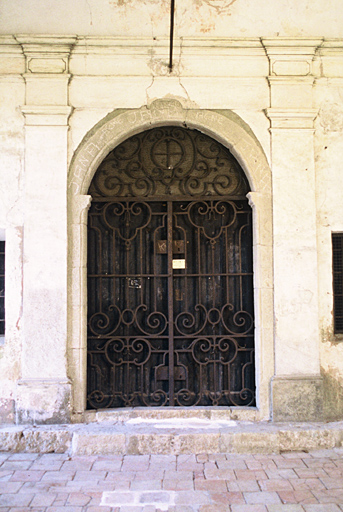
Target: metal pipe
(172,10)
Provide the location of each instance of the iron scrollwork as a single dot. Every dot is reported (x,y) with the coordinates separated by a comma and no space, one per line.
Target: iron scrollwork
(163,195)
(169,160)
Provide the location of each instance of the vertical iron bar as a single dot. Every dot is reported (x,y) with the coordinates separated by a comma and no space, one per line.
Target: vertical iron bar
(170,302)
(172,10)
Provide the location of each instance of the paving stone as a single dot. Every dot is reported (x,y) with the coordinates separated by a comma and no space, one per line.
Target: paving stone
(10,487)
(106,465)
(43,499)
(64,509)
(250,474)
(60,500)
(192,498)
(27,476)
(57,476)
(288,489)
(285,508)
(301,497)
(262,497)
(178,485)
(46,465)
(275,484)
(222,474)
(202,457)
(249,485)
(214,508)
(308,483)
(5,475)
(128,508)
(248,508)
(151,474)
(210,485)
(287,474)
(13,500)
(24,456)
(16,465)
(25,509)
(99,509)
(331,483)
(231,464)
(227,498)
(78,498)
(322,508)
(89,475)
(139,485)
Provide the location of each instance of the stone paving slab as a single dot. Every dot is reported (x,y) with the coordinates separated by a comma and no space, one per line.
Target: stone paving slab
(173,437)
(172,483)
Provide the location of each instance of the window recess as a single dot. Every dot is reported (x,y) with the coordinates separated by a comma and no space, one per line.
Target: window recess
(337,265)
(2,288)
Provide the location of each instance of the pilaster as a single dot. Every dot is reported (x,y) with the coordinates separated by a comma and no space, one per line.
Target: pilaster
(77,310)
(296,386)
(44,391)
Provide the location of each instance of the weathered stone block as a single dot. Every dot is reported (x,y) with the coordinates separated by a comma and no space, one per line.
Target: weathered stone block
(99,443)
(292,440)
(249,442)
(10,439)
(45,441)
(6,411)
(297,399)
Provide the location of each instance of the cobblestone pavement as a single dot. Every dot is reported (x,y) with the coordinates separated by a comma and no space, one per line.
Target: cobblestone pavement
(290,482)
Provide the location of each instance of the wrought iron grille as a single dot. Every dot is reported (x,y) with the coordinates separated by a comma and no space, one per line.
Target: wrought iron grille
(170,294)
(2,288)
(169,161)
(337,257)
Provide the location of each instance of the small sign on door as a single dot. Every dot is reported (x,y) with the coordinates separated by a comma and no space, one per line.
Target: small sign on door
(135,282)
(179,263)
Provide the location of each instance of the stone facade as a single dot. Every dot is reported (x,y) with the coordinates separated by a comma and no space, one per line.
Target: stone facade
(267,86)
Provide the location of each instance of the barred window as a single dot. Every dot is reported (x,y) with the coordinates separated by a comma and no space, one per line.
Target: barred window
(337,264)
(2,288)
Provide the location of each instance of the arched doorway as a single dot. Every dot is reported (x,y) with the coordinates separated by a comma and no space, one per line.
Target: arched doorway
(170,277)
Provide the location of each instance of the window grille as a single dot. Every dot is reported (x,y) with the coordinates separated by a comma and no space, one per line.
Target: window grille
(2,288)
(337,264)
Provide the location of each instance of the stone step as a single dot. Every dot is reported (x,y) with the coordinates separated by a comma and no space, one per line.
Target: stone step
(174,435)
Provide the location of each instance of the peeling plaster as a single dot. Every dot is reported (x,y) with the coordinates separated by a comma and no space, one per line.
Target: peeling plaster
(202,12)
(331,117)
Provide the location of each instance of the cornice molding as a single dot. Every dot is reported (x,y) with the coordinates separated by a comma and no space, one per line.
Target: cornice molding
(291,118)
(46,115)
(46,54)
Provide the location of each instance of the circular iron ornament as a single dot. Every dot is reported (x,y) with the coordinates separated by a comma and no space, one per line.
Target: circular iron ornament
(169,160)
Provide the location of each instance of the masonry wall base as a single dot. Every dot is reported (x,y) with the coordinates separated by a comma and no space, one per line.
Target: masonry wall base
(178,436)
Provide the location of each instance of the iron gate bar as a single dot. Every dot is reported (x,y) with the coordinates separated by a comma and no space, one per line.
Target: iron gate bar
(170,302)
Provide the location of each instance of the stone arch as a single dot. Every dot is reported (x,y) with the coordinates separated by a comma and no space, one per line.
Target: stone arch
(228,129)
